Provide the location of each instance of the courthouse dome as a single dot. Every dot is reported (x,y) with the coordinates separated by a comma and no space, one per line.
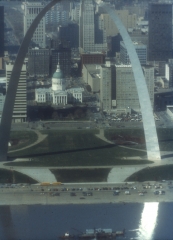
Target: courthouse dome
(58,74)
(58,81)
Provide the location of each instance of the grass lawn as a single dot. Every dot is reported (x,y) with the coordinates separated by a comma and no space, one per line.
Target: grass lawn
(165,136)
(20,139)
(8,176)
(81,175)
(153,174)
(75,148)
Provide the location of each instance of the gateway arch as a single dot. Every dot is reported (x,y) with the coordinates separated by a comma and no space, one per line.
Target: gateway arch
(153,152)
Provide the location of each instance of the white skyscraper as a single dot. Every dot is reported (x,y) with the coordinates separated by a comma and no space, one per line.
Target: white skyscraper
(20,104)
(31,10)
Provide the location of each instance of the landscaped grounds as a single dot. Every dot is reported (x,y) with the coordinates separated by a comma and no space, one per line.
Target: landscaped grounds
(81,175)
(76,148)
(153,174)
(11,176)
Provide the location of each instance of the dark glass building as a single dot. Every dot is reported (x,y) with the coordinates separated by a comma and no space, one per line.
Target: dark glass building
(61,56)
(1,31)
(38,62)
(160,32)
(70,33)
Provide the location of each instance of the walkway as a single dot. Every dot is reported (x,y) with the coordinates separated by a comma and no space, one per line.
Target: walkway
(121,173)
(101,135)
(40,138)
(39,174)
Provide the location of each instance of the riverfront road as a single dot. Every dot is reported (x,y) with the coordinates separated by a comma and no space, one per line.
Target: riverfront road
(86,193)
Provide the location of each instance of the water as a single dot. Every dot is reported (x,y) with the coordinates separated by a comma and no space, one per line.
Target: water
(149,221)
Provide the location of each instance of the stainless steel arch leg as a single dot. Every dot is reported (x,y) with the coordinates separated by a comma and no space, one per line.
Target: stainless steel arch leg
(152,145)
(13,84)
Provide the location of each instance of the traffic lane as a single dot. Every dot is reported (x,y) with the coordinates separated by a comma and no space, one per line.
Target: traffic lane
(92,187)
(66,198)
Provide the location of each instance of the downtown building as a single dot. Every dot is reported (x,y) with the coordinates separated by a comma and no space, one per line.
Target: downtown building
(70,33)
(101,78)
(57,15)
(38,62)
(74,11)
(31,10)
(20,104)
(87,31)
(107,24)
(160,32)
(126,91)
(141,51)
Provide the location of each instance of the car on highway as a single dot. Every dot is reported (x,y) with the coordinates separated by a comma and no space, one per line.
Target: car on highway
(127,192)
(73,194)
(115,193)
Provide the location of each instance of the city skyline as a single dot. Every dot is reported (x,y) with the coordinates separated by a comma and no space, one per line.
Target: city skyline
(137,74)
(86,120)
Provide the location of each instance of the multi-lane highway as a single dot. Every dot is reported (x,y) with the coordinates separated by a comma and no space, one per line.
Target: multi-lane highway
(86,193)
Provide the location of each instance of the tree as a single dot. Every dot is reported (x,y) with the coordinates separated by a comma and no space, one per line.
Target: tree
(55,115)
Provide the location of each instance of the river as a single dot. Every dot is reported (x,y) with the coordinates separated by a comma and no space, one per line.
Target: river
(148,221)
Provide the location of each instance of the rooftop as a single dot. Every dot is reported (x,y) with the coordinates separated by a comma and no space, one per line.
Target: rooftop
(136,44)
(123,65)
(75,90)
(93,68)
(170,108)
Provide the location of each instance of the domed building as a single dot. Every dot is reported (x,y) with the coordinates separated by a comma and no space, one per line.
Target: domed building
(57,94)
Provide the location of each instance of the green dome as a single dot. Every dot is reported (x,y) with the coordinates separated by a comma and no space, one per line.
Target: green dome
(58,74)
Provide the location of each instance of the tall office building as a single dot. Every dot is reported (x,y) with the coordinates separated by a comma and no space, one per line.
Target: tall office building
(31,10)
(1,31)
(105,88)
(38,62)
(20,105)
(87,31)
(74,11)
(70,33)
(160,32)
(57,15)
(126,92)
(141,51)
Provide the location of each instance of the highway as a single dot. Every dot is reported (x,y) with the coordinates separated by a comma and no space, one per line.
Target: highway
(88,193)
